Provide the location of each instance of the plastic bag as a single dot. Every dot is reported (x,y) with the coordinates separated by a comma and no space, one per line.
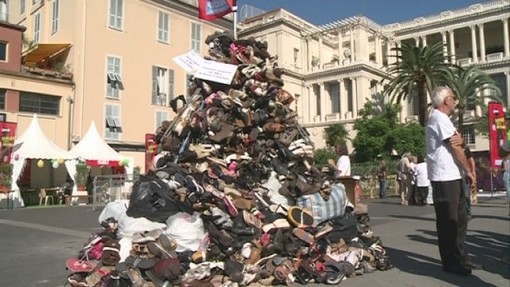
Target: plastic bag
(187,230)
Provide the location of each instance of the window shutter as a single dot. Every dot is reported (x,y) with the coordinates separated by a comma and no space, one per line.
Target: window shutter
(154,85)
(170,85)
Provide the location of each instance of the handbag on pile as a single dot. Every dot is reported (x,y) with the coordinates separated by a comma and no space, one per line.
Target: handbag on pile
(323,210)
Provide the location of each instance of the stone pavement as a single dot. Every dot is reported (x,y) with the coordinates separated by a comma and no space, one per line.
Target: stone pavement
(35,242)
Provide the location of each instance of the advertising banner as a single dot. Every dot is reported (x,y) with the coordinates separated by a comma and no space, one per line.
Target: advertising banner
(498,134)
(8,135)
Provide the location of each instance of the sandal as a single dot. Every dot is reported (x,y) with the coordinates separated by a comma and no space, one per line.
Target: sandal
(300,217)
(136,277)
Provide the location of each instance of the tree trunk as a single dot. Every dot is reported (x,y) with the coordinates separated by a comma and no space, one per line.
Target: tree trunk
(422,104)
(461,121)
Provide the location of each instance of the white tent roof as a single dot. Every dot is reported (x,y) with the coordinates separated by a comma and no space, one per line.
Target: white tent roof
(93,147)
(33,143)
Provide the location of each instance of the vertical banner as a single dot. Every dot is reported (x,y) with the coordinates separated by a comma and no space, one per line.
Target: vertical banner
(214,9)
(8,135)
(498,134)
(151,150)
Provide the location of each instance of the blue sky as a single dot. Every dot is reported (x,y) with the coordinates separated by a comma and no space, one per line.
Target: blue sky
(383,12)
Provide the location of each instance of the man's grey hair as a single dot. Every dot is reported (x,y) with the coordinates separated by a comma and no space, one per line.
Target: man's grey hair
(439,94)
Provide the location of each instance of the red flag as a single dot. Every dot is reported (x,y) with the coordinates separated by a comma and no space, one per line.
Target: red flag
(214,9)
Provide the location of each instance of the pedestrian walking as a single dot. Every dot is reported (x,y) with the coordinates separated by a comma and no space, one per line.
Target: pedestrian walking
(446,164)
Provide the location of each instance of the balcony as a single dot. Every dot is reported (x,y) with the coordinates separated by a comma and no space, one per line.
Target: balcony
(495,57)
(464,62)
(332,117)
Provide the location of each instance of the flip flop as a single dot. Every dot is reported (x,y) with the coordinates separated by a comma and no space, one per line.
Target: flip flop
(300,217)
(77,265)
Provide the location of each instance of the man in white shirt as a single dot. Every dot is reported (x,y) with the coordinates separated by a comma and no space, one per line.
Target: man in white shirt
(445,165)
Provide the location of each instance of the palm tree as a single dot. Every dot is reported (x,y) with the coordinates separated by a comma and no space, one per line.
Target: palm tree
(335,134)
(416,72)
(469,85)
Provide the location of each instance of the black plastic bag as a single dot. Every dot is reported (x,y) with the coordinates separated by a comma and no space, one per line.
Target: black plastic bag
(151,198)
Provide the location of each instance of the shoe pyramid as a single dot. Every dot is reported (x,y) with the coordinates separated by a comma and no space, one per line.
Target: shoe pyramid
(236,159)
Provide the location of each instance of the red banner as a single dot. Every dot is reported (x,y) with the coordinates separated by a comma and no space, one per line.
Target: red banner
(8,135)
(498,133)
(151,150)
(214,9)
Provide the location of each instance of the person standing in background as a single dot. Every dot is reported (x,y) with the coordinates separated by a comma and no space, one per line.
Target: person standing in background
(422,181)
(506,177)
(404,168)
(343,166)
(446,165)
(411,191)
(381,176)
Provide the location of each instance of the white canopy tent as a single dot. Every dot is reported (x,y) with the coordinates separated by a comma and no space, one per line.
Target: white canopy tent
(92,147)
(32,144)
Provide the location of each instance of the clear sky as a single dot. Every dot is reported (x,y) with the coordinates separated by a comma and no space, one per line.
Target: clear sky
(383,12)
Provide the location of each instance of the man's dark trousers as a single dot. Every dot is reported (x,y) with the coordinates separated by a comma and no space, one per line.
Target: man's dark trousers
(451,221)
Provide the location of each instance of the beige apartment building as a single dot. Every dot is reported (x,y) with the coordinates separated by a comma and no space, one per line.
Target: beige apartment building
(335,68)
(119,55)
(112,62)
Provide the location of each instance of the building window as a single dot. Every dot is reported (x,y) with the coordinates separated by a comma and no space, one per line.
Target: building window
(3,51)
(469,135)
(22,7)
(195,37)
(115,20)
(163,27)
(317,92)
(3,92)
(113,125)
(55,6)
(160,117)
(334,95)
(162,86)
(37,27)
(113,78)
(296,54)
(38,103)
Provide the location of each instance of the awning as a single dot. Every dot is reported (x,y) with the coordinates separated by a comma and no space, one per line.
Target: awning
(42,52)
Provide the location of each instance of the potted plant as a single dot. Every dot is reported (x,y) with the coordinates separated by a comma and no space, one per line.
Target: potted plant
(82,173)
(5,176)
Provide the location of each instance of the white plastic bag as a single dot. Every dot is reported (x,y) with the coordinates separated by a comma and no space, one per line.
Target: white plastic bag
(187,230)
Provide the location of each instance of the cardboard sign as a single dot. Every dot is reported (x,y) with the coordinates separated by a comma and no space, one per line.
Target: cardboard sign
(190,61)
(216,72)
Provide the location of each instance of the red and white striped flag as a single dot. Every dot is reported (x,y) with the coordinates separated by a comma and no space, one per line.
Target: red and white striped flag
(214,9)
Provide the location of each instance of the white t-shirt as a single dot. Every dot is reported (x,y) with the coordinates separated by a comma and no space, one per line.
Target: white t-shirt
(421,175)
(344,165)
(440,162)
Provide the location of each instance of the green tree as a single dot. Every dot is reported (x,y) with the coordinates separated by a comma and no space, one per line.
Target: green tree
(377,134)
(335,134)
(416,71)
(469,86)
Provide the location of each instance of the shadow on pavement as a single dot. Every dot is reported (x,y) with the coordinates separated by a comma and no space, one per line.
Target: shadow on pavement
(485,247)
(413,217)
(418,264)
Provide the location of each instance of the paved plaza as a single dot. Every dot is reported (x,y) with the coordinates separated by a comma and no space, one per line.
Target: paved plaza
(35,242)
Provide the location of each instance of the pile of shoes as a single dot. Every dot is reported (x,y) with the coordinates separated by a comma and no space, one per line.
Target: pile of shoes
(236,156)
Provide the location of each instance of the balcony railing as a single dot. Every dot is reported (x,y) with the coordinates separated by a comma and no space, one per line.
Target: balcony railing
(464,62)
(495,57)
